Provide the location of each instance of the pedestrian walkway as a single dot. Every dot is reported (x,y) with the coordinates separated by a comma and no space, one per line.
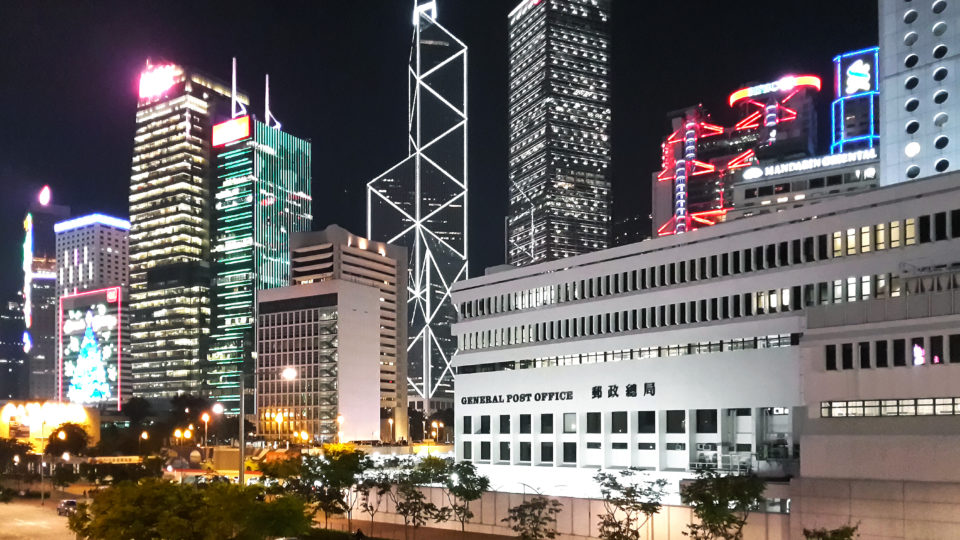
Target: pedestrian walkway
(392,531)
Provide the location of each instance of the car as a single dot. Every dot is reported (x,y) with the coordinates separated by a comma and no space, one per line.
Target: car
(67,507)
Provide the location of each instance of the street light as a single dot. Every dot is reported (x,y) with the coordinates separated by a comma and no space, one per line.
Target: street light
(187,434)
(217,408)
(178,434)
(393,436)
(62,435)
(206,419)
(143,436)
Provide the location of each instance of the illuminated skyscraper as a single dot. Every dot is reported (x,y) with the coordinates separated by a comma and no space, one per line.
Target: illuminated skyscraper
(13,361)
(262,194)
(169,227)
(559,130)
(421,203)
(40,293)
(92,253)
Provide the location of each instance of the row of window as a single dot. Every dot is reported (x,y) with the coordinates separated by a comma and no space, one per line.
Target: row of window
(675,422)
(891,407)
(895,352)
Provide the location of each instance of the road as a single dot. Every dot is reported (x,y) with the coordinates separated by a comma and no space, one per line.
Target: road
(27,520)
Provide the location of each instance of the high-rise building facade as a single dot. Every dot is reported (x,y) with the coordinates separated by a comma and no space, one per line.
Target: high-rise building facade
(559,130)
(856,103)
(13,361)
(92,253)
(262,195)
(421,203)
(919,60)
(40,293)
(336,254)
(170,210)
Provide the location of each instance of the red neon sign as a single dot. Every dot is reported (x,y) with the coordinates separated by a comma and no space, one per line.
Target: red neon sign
(158,79)
(783,85)
(231,130)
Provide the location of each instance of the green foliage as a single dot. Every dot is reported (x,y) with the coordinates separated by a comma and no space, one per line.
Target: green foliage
(326,482)
(629,503)
(463,486)
(846,532)
(64,475)
(137,409)
(10,448)
(282,469)
(721,504)
(416,419)
(412,504)
(373,489)
(154,509)
(535,518)
(75,440)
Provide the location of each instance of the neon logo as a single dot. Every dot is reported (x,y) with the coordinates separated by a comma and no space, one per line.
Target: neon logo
(231,130)
(158,79)
(858,77)
(785,84)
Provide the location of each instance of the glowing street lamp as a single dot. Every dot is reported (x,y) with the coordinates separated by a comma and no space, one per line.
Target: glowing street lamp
(206,419)
(178,434)
(143,436)
(62,435)
(187,434)
(393,435)
(217,408)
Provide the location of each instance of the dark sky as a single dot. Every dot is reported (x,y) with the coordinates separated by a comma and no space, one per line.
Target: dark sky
(68,76)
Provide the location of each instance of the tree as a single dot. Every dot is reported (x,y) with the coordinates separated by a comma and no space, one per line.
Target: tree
(629,503)
(372,491)
(412,504)
(69,437)
(534,519)
(64,475)
(721,504)
(12,452)
(415,419)
(137,409)
(327,481)
(463,486)
(846,532)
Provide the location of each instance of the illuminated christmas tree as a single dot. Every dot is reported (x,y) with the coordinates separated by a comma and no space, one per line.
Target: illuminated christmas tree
(89,381)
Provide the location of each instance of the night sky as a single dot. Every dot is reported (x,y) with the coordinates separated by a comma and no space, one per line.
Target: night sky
(69,70)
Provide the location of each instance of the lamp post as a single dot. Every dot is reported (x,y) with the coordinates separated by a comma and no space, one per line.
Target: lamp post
(393,436)
(178,433)
(143,436)
(62,435)
(206,420)
(435,427)
(442,436)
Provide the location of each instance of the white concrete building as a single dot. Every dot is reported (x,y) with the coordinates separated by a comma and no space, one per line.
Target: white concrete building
(818,347)
(318,371)
(92,253)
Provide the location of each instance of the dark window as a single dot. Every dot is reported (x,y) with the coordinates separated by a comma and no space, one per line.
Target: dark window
(524,423)
(619,446)
(484,425)
(676,446)
(467,425)
(525,451)
(618,422)
(504,423)
(744,447)
(847,356)
(569,452)
(743,412)
(954,348)
(706,421)
(676,422)
(546,451)
(646,421)
(593,446)
(899,352)
(646,446)
(955,222)
(485,451)
(831,353)
(467,450)
(924,229)
(881,348)
(864,354)
(504,451)
(940,226)
(808,248)
(821,247)
(593,422)
(936,349)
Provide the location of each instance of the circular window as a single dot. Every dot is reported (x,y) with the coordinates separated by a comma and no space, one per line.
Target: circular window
(911,149)
(912,104)
(939,6)
(913,171)
(940,119)
(910,38)
(911,60)
(939,51)
(910,16)
(912,126)
(941,142)
(940,28)
(941,165)
(940,74)
(911,83)
(940,97)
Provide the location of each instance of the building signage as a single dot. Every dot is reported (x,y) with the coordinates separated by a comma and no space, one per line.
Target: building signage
(91,346)
(231,130)
(810,164)
(629,390)
(856,72)
(782,85)
(517,398)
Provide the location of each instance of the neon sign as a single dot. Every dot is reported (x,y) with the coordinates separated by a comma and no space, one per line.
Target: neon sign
(855,92)
(158,79)
(90,220)
(231,130)
(27,274)
(810,164)
(785,84)
(858,77)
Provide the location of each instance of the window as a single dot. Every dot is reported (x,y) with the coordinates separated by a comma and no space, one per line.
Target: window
(831,356)
(646,446)
(525,451)
(468,424)
(485,451)
(504,424)
(546,452)
(894,234)
(847,355)
(569,422)
(504,451)
(484,425)
(593,422)
(618,422)
(954,341)
(864,347)
(909,232)
(593,446)
(467,450)
(676,446)
(646,420)
(525,423)
(676,422)
(569,452)
(936,350)
(706,421)
(881,349)
(899,352)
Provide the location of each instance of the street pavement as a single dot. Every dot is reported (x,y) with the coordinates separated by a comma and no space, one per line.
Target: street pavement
(27,520)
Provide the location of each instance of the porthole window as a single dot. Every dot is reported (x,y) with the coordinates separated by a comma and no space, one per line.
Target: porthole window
(912,126)
(913,171)
(941,165)
(940,119)
(940,74)
(910,38)
(940,97)
(940,28)
(911,149)
(939,6)
(912,104)
(911,83)
(910,16)
(939,51)
(911,60)
(941,142)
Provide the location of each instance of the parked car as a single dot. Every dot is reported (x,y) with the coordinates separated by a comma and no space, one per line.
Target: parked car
(67,507)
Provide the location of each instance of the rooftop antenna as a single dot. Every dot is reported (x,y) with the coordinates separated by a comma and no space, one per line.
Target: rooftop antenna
(236,108)
(267,117)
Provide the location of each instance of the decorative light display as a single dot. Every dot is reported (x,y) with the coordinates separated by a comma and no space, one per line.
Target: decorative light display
(156,80)
(44,196)
(856,101)
(231,130)
(91,346)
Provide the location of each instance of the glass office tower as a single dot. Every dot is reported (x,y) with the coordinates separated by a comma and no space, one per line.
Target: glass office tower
(559,130)
(262,195)
(421,203)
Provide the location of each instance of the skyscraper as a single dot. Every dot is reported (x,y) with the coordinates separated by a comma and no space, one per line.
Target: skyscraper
(92,253)
(170,222)
(421,203)
(559,130)
(13,363)
(40,293)
(262,194)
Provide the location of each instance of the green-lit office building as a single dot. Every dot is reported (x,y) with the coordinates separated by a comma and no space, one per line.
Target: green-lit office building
(262,195)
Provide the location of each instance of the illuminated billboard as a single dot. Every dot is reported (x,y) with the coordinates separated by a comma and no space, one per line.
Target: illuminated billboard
(856,101)
(231,130)
(90,328)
